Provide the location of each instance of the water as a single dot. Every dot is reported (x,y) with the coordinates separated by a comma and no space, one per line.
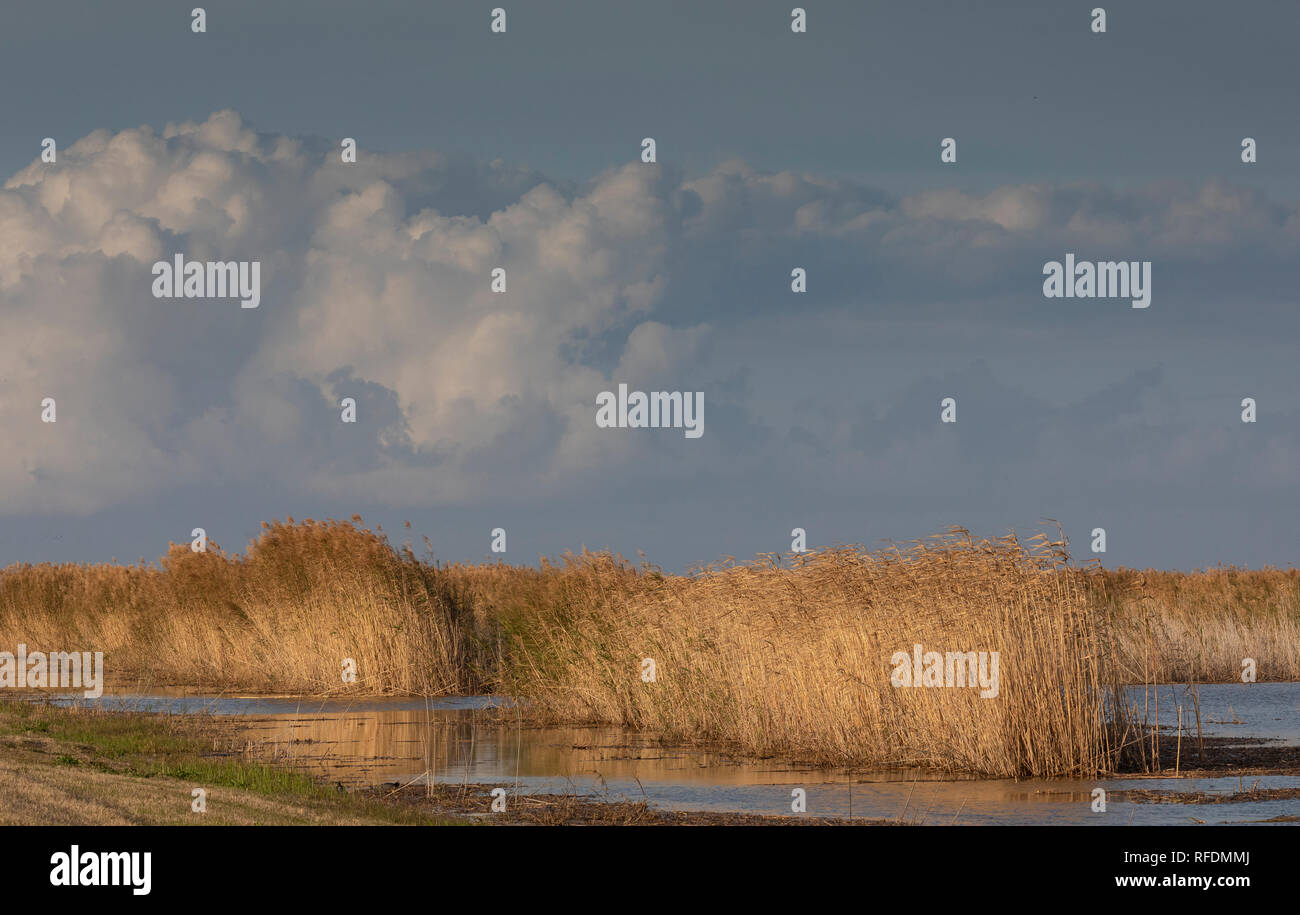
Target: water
(1268,710)
(178,701)
(477,739)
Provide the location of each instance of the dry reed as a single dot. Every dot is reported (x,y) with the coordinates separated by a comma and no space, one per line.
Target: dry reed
(772,657)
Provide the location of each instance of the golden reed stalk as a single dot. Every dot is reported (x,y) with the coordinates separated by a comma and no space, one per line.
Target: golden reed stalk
(771,657)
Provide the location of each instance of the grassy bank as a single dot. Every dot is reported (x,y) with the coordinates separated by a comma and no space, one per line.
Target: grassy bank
(778,656)
(85,767)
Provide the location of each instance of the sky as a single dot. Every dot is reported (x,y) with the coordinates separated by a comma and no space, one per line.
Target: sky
(476,409)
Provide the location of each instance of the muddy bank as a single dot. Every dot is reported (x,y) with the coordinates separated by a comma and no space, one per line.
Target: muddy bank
(1217,756)
(475,802)
(1203,797)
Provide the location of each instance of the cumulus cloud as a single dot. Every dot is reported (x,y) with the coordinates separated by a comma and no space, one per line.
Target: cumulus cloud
(375,285)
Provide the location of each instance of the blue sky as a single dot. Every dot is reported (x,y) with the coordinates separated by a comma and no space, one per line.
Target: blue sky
(775,150)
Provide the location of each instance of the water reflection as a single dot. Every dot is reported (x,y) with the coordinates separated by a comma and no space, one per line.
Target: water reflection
(481,739)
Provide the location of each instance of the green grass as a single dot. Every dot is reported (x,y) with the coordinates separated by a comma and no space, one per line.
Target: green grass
(185,748)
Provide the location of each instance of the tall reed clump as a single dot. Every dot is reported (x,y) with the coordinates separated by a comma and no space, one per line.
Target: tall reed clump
(283,617)
(796,660)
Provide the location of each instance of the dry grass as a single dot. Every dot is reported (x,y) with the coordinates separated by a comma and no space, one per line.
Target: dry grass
(1198,627)
(769,657)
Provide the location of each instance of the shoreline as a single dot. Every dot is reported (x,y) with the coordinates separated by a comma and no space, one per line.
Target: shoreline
(101,767)
(76,767)
(1211,757)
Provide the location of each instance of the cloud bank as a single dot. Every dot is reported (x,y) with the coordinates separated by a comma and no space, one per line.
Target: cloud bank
(376,285)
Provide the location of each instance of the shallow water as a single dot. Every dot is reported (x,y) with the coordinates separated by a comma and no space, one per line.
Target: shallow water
(1269,710)
(177,701)
(464,739)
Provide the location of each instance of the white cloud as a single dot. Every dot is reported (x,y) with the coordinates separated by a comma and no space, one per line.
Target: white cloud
(376,283)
